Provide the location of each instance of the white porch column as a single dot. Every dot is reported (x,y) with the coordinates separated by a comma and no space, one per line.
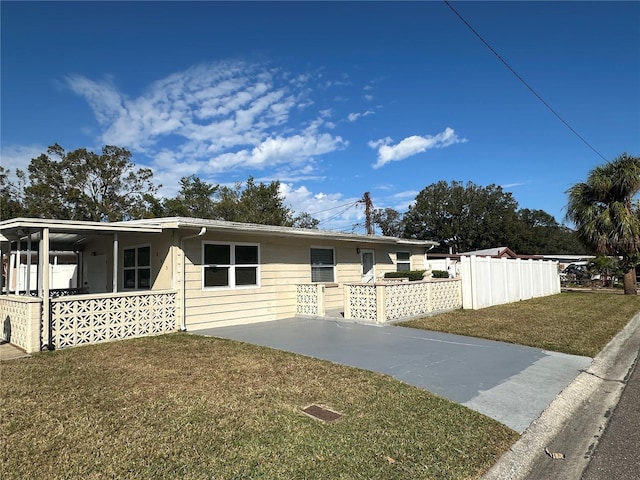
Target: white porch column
(115,263)
(43,261)
(28,279)
(17,265)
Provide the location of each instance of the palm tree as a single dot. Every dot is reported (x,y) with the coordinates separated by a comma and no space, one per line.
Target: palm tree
(607,215)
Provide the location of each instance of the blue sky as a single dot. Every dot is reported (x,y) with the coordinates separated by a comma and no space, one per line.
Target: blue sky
(332,99)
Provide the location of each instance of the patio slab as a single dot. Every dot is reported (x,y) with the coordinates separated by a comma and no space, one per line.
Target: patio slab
(510,383)
(11,352)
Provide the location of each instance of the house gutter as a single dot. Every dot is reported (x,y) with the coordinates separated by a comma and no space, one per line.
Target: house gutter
(183,319)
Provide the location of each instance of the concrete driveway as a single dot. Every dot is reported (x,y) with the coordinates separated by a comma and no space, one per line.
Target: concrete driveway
(510,383)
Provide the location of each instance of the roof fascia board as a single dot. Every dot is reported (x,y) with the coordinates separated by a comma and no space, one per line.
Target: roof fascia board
(289,232)
(78,226)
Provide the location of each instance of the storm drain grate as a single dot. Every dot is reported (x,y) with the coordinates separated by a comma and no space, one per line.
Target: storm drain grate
(321,413)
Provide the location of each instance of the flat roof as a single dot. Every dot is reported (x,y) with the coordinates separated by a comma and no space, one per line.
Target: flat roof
(18,228)
(273,230)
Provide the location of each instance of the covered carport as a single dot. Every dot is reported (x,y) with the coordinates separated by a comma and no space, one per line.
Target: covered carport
(38,238)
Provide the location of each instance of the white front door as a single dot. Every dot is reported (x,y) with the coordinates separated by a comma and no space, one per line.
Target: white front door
(368,262)
(96,274)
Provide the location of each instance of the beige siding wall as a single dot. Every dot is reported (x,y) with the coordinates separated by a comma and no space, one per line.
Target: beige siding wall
(284,262)
(161,258)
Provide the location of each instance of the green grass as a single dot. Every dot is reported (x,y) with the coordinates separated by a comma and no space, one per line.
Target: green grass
(188,407)
(578,323)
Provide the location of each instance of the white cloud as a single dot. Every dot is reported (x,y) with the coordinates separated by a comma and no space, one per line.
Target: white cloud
(15,157)
(412,145)
(352,117)
(332,209)
(213,117)
(275,151)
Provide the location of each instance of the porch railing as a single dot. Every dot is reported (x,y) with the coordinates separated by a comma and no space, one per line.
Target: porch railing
(384,302)
(388,302)
(85,319)
(21,318)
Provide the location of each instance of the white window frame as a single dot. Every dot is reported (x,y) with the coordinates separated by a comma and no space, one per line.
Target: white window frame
(136,268)
(231,266)
(403,262)
(333,267)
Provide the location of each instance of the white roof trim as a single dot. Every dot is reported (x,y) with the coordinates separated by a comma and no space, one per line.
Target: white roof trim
(219,225)
(154,225)
(77,226)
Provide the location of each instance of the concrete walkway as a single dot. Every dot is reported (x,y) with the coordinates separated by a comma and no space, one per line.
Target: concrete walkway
(10,352)
(510,383)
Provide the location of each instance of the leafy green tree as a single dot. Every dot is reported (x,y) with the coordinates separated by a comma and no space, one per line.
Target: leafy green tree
(11,201)
(258,203)
(305,220)
(390,222)
(83,185)
(262,203)
(606,213)
(463,217)
(195,199)
(606,267)
(539,233)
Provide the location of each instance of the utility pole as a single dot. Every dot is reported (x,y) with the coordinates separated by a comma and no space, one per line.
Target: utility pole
(368,213)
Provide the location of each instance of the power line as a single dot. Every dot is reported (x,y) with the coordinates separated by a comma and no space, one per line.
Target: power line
(333,208)
(338,214)
(524,82)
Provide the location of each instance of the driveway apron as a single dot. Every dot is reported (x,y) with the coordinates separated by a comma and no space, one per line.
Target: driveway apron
(510,383)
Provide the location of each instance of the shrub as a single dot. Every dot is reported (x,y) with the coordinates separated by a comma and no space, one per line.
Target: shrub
(414,275)
(440,274)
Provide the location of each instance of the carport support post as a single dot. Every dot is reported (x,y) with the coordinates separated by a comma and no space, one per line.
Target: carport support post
(115,263)
(43,260)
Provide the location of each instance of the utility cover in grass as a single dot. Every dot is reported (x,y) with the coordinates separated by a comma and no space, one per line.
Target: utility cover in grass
(321,413)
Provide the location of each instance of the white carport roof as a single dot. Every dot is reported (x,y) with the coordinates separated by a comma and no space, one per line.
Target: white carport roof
(70,232)
(65,233)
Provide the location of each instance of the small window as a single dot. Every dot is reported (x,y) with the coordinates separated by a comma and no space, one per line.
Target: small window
(403,261)
(136,270)
(230,265)
(322,265)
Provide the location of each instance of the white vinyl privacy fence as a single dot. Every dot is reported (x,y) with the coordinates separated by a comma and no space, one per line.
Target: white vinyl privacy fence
(490,281)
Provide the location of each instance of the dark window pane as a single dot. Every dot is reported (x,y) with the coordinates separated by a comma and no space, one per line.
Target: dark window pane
(144,256)
(322,274)
(217,254)
(129,279)
(130,257)
(403,267)
(246,276)
(321,256)
(246,254)
(216,276)
(404,256)
(144,278)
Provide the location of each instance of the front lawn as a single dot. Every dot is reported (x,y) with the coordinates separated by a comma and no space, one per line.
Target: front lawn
(187,407)
(579,323)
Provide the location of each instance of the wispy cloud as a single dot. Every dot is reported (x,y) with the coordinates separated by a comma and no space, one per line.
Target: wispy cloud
(412,145)
(18,157)
(213,118)
(352,117)
(329,208)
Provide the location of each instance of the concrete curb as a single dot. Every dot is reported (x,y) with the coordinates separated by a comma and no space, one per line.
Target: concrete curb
(573,422)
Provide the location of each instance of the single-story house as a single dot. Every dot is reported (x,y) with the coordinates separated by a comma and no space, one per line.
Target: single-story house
(190,274)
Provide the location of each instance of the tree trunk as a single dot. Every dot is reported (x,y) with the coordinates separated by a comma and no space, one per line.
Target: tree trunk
(630,282)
